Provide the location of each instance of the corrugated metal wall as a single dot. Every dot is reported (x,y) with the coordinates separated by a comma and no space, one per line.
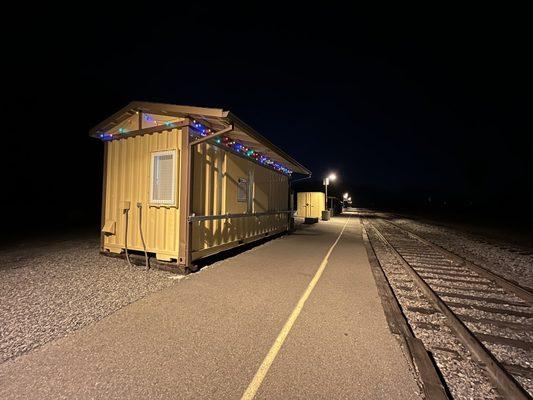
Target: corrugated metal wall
(128,179)
(216,175)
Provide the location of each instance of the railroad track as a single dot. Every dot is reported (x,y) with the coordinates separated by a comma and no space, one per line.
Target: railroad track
(477,325)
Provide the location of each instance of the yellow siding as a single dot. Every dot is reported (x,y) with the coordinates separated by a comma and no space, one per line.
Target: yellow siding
(216,174)
(310,204)
(128,179)
(215,180)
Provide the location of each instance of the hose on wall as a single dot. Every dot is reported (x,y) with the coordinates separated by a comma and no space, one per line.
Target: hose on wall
(147,264)
(126,211)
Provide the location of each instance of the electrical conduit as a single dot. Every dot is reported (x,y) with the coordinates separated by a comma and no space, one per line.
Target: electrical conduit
(140,207)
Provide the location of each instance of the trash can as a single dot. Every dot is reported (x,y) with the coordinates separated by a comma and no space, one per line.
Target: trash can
(325,215)
(291,224)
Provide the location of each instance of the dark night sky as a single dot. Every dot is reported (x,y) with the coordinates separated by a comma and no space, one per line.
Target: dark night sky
(402,106)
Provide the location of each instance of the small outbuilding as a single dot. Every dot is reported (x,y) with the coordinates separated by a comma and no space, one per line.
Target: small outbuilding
(310,205)
(182,183)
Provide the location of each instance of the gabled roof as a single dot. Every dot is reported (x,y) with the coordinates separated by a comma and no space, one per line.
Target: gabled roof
(215,118)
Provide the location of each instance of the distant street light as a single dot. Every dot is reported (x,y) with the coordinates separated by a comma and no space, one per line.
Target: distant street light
(346,199)
(330,177)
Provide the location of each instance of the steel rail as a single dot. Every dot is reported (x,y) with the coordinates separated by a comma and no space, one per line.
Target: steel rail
(504,381)
(512,287)
(417,354)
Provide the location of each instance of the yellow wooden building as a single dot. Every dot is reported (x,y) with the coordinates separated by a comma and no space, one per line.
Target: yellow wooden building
(182,183)
(309,205)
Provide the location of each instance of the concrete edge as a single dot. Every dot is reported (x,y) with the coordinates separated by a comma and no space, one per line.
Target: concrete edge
(417,356)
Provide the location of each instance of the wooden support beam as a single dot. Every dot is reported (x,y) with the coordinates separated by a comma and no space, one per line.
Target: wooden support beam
(185,197)
(104,185)
(212,136)
(154,129)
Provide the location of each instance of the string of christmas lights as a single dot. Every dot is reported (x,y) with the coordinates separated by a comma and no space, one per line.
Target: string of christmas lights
(203,131)
(123,130)
(242,149)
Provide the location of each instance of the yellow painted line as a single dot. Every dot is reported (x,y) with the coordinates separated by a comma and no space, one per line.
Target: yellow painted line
(253,387)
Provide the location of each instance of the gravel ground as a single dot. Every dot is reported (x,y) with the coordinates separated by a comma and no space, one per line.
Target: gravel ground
(56,288)
(455,279)
(463,376)
(508,260)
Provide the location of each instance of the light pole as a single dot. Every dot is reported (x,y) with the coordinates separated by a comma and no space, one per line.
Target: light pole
(330,177)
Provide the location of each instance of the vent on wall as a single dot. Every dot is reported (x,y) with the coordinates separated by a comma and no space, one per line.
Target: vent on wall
(163,182)
(242,190)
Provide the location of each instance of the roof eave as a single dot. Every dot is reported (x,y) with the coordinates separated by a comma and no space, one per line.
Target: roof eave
(157,108)
(190,111)
(263,140)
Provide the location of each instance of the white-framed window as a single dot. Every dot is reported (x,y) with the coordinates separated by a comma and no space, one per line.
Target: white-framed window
(163,177)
